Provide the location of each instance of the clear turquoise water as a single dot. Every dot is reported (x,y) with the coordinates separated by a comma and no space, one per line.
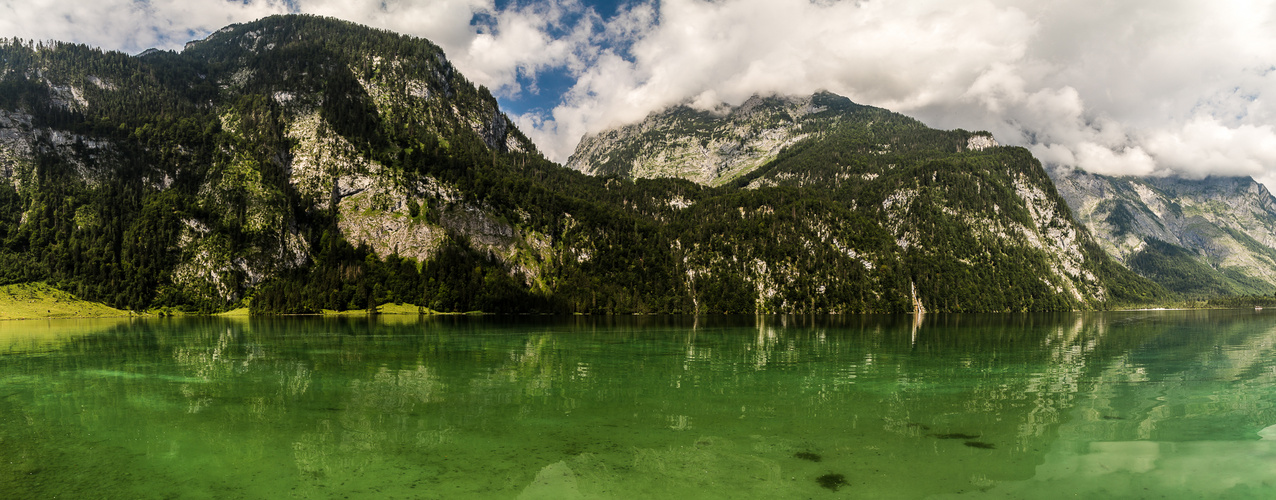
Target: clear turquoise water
(1129,405)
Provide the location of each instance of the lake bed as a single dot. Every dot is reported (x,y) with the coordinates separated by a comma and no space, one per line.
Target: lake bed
(1141,404)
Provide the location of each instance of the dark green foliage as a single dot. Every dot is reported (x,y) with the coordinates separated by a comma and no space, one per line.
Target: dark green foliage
(1185,272)
(110,234)
(1126,288)
(1242,302)
(1177,268)
(199,161)
(953,263)
(1119,216)
(343,278)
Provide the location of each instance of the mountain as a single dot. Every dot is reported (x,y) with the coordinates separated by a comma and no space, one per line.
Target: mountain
(1208,237)
(300,163)
(975,226)
(294,148)
(710,147)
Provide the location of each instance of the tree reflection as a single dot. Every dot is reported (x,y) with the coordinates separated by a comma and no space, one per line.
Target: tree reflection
(642,406)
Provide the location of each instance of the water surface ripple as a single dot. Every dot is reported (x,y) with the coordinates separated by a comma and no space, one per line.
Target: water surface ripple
(1094,405)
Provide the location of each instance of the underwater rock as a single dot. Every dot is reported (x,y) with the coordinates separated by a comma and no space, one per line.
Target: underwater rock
(806,455)
(955,435)
(832,481)
(979,444)
(916,425)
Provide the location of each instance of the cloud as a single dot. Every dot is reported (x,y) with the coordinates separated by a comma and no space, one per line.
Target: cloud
(903,56)
(1172,88)
(445,22)
(518,41)
(126,25)
(1177,87)
(1203,145)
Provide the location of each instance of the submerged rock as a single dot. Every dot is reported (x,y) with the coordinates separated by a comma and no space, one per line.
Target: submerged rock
(832,481)
(955,435)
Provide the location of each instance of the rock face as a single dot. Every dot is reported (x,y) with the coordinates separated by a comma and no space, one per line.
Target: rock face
(1202,237)
(714,147)
(707,147)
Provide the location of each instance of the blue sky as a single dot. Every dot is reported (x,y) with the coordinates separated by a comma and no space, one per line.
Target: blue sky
(551,83)
(1173,87)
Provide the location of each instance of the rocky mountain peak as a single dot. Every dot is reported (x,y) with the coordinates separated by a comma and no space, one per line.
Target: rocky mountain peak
(707,147)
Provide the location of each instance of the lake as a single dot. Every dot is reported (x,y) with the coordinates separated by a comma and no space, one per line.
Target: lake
(1160,404)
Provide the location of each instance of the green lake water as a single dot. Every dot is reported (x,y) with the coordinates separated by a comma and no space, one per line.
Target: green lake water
(1100,405)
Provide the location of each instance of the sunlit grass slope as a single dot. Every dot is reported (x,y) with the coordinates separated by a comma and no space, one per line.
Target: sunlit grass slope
(39,300)
(389,308)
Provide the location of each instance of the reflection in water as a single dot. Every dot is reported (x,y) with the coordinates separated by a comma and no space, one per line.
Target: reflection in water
(30,336)
(1005,405)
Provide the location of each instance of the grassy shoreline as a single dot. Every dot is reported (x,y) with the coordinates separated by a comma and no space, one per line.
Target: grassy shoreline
(40,300)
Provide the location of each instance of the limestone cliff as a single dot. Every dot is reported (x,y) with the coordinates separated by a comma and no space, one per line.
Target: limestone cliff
(1203,237)
(708,147)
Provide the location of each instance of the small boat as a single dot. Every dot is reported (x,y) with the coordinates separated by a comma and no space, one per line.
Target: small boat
(1258,308)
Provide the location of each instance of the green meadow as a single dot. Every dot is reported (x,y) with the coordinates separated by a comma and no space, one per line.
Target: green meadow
(40,300)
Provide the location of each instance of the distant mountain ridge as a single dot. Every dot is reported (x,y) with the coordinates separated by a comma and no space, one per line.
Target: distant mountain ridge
(1207,237)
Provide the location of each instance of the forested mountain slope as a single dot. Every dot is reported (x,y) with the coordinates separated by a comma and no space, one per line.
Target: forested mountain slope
(1207,237)
(309,163)
(976,226)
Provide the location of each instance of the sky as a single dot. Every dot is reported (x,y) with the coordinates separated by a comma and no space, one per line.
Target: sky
(1119,87)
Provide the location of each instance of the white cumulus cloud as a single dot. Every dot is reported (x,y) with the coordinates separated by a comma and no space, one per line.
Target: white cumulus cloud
(127,25)
(519,40)
(1174,87)
(1166,88)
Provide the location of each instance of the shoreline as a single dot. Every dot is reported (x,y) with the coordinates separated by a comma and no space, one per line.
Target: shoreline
(364,313)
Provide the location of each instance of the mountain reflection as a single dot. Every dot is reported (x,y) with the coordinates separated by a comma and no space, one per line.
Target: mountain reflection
(627,406)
